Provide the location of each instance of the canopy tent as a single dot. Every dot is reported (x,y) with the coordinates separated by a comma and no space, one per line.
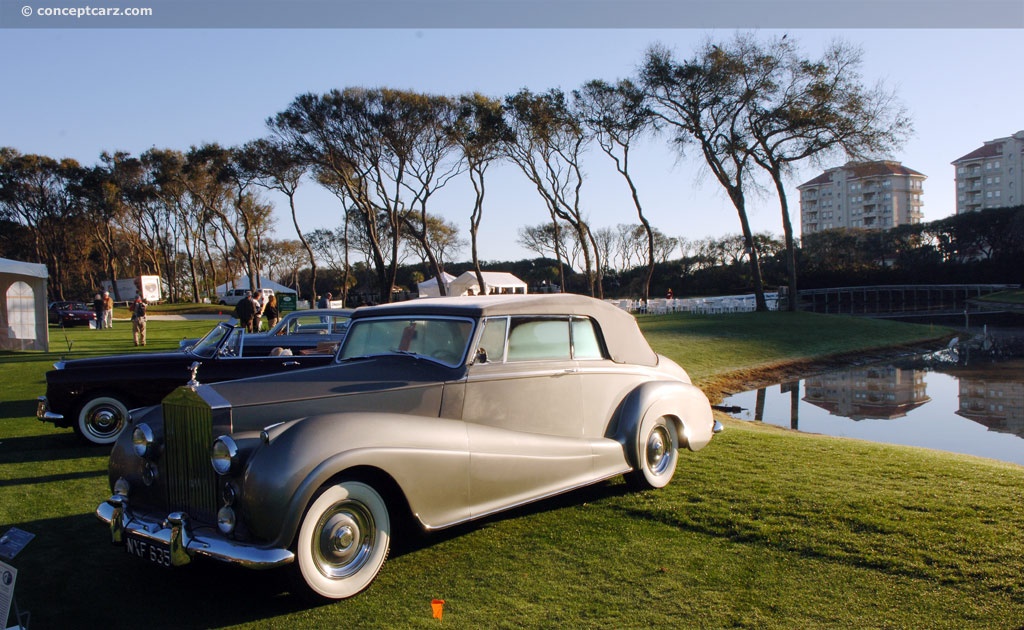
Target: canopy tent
(23,317)
(495,282)
(428,288)
(243,283)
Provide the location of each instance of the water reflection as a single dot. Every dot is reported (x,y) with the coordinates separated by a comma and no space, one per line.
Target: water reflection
(976,411)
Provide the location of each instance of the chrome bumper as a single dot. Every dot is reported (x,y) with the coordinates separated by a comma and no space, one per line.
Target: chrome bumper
(184,543)
(43,411)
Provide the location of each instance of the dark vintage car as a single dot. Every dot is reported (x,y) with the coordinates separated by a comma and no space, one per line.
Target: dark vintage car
(94,395)
(319,329)
(70,313)
(438,411)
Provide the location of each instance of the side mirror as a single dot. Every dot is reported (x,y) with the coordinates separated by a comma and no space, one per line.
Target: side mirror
(481,355)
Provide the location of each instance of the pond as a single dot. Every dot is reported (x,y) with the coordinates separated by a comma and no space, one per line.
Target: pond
(976,411)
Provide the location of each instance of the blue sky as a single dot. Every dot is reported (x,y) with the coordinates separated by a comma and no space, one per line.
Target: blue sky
(75,93)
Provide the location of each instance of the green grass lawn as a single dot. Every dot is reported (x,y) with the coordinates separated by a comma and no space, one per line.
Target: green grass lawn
(765,528)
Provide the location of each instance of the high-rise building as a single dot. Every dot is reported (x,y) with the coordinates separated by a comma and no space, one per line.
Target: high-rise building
(870,195)
(991,176)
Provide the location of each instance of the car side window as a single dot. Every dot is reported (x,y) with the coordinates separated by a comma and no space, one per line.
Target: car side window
(492,339)
(585,344)
(537,339)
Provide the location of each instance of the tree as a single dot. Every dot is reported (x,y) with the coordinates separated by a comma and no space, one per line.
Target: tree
(547,142)
(388,150)
(43,194)
(214,176)
(809,109)
(274,165)
(480,131)
(704,101)
(618,115)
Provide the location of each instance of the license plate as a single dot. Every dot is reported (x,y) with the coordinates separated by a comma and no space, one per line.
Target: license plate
(155,552)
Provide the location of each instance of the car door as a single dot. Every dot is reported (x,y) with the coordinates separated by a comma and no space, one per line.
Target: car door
(523,412)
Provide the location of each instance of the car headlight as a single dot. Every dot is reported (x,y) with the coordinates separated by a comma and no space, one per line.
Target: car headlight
(224,455)
(143,440)
(226,520)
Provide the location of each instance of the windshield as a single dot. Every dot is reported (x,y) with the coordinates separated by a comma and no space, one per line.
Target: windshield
(437,338)
(207,346)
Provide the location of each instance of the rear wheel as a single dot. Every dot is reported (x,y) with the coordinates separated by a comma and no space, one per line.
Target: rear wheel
(657,444)
(343,541)
(101,419)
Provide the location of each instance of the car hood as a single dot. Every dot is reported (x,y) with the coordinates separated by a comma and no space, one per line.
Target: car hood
(356,376)
(142,359)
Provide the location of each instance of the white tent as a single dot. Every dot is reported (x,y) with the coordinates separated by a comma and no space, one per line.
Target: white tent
(23,318)
(243,283)
(495,282)
(428,288)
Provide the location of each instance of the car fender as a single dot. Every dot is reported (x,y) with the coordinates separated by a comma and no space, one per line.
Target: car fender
(427,458)
(685,403)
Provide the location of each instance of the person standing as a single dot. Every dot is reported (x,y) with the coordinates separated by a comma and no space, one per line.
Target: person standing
(97,307)
(271,311)
(244,311)
(325,300)
(108,310)
(257,310)
(139,321)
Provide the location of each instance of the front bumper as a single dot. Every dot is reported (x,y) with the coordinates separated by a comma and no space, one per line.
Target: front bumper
(44,414)
(185,544)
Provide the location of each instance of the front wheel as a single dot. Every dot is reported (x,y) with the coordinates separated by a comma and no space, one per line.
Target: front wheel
(657,453)
(101,419)
(343,540)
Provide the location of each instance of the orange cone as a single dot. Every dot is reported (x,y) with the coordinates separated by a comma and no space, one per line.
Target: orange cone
(437,605)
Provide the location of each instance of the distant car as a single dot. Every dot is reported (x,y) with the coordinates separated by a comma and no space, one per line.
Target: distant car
(438,411)
(70,313)
(94,395)
(314,329)
(234,296)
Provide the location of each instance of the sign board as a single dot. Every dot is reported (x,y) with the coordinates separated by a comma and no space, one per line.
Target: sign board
(285,302)
(8,575)
(13,541)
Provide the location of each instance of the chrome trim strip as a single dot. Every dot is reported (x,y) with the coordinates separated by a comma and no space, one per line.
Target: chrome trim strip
(183,541)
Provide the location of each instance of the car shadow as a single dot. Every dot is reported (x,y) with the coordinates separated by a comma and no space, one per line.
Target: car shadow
(99,584)
(17,409)
(47,448)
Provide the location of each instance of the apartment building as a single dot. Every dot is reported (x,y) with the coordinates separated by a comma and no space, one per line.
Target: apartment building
(991,176)
(875,195)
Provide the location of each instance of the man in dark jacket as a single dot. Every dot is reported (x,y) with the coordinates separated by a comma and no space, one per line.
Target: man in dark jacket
(244,311)
(139,321)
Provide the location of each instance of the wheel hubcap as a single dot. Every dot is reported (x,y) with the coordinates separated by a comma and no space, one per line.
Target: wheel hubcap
(345,538)
(658,457)
(102,422)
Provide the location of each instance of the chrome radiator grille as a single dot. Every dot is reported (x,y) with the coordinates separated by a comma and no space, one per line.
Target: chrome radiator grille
(190,480)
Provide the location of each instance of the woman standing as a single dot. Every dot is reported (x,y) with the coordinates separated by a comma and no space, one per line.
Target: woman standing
(270,310)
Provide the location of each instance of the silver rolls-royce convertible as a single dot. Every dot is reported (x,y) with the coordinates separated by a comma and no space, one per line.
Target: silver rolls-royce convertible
(438,411)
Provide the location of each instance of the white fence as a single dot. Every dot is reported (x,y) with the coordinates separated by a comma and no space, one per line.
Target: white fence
(703,306)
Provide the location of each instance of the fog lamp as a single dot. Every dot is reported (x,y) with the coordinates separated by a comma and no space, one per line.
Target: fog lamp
(223,455)
(226,520)
(229,494)
(149,473)
(143,440)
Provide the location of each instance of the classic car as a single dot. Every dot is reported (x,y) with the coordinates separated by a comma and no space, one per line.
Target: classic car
(70,313)
(435,412)
(309,329)
(94,395)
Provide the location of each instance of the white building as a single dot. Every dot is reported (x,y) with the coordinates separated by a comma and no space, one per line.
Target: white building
(991,176)
(870,195)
